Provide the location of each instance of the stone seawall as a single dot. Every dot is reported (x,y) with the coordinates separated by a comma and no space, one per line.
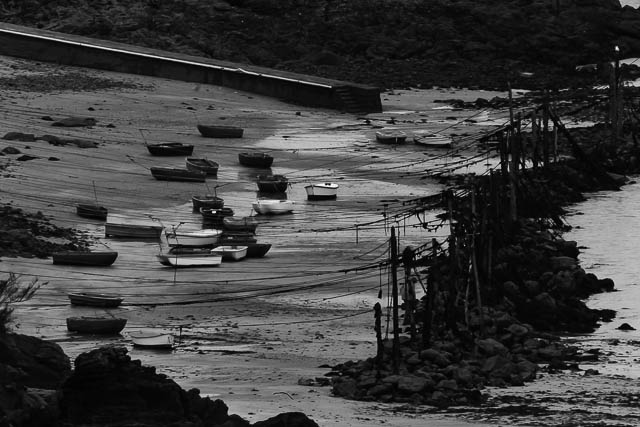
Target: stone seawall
(81,51)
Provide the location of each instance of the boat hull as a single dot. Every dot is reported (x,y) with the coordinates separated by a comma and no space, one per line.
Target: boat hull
(209,167)
(272,183)
(96,325)
(94,300)
(247,223)
(433,141)
(391,137)
(321,191)
(206,202)
(98,259)
(175,174)
(92,211)
(216,131)
(194,260)
(155,340)
(231,252)
(170,149)
(132,231)
(273,207)
(257,250)
(256,160)
(193,238)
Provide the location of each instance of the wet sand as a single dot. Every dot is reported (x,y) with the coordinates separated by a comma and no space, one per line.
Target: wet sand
(247,331)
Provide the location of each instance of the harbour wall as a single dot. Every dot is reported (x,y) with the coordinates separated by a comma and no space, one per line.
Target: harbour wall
(49,46)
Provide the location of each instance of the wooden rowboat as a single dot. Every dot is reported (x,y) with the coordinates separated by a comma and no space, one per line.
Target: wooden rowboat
(322,191)
(94,299)
(257,250)
(190,257)
(207,166)
(152,340)
(230,252)
(131,228)
(236,223)
(177,174)
(170,149)
(207,201)
(91,211)
(204,237)
(391,137)
(272,183)
(433,140)
(218,131)
(96,325)
(98,259)
(272,206)
(255,159)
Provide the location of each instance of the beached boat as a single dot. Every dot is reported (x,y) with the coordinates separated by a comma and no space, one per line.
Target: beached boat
(131,228)
(152,340)
(98,259)
(230,252)
(96,325)
(170,149)
(257,250)
(255,159)
(272,183)
(208,201)
(433,140)
(204,237)
(243,238)
(322,191)
(273,206)
(94,299)
(190,257)
(207,166)
(219,131)
(240,223)
(215,217)
(91,211)
(177,174)
(391,136)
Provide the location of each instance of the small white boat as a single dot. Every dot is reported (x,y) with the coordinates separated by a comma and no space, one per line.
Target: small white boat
(190,257)
(204,237)
(433,140)
(273,206)
(231,252)
(157,340)
(391,136)
(320,191)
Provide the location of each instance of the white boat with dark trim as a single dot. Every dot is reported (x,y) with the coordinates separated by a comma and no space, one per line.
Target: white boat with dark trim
(433,140)
(157,340)
(190,257)
(204,237)
(231,252)
(322,191)
(273,206)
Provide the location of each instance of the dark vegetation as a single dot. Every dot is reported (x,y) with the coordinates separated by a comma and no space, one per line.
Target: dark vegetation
(387,43)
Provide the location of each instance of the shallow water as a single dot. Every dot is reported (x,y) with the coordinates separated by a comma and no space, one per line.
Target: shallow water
(607,228)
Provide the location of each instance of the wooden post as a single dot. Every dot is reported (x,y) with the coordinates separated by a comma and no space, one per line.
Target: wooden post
(377,309)
(545,129)
(432,289)
(394,295)
(474,261)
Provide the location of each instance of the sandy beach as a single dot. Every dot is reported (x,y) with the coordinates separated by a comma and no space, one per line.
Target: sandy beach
(259,334)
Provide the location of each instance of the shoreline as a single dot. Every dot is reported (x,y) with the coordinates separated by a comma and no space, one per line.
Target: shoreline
(246,394)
